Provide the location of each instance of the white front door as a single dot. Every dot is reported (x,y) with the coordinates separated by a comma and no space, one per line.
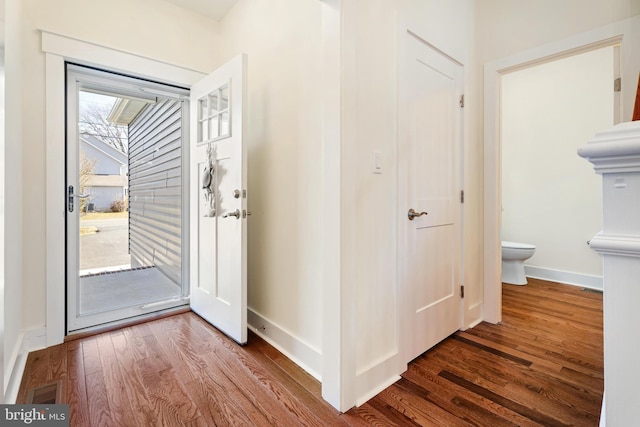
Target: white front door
(218,165)
(430,137)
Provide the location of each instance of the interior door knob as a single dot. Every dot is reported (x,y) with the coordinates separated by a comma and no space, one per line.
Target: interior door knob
(413,214)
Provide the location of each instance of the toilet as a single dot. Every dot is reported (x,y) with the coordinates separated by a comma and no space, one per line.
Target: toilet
(513,258)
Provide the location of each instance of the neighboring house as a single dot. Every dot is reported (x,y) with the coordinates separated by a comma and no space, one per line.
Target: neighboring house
(107,180)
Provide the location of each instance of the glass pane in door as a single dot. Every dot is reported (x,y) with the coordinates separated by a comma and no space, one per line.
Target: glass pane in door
(104,220)
(125,187)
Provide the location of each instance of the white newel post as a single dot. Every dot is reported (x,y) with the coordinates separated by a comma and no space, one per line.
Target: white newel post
(615,154)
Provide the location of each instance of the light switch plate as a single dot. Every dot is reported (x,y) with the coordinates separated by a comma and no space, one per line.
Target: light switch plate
(377,162)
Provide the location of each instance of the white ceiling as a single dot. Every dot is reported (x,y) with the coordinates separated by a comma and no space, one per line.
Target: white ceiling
(214,9)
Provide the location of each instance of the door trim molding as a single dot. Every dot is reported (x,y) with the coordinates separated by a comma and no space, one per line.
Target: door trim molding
(58,49)
(618,32)
(338,333)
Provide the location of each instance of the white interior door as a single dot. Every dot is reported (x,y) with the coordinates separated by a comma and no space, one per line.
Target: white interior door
(218,169)
(430,113)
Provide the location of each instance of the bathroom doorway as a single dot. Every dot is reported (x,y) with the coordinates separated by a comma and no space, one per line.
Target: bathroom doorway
(493,73)
(551,197)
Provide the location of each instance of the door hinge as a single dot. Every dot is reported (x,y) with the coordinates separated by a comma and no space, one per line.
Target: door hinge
(462,291)
(461,101)
(461,196)
(617,84)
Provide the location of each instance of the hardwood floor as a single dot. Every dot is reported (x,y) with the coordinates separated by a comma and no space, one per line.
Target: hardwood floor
(542,366)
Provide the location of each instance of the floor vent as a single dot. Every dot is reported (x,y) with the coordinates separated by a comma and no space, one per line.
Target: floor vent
(49,394)
(595,291)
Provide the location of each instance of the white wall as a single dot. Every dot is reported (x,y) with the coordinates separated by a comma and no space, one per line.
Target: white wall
(13,222)
(505,27)
(2,211)
(551,197)
(152,28)
(286,236)
(282,39)
(2,204)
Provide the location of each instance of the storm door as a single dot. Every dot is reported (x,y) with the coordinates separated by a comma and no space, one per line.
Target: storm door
(125,197)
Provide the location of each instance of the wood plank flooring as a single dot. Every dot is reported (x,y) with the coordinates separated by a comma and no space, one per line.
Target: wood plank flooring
(542,366)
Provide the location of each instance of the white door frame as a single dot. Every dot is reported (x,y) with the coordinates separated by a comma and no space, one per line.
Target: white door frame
(58,49)
(619,32)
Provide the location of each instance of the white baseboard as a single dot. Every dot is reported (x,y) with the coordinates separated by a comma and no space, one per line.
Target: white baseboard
(34,339)
(566,277)
(472,324)
(301,353)
(373,392)
(378,375)
(15,368)
(11,393)
(472,317)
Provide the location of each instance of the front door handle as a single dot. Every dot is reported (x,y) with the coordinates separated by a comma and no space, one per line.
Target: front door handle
(235,213)
(413,214)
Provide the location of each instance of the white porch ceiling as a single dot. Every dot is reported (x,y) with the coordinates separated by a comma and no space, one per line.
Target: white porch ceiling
(214,9)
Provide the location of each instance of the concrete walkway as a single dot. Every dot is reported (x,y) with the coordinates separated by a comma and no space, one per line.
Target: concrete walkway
(112,291)
(107,251)
(106,248)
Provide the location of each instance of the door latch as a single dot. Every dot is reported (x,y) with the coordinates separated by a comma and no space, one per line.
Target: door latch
(71,196)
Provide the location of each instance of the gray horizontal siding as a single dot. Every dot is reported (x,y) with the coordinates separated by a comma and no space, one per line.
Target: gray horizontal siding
(155,188)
